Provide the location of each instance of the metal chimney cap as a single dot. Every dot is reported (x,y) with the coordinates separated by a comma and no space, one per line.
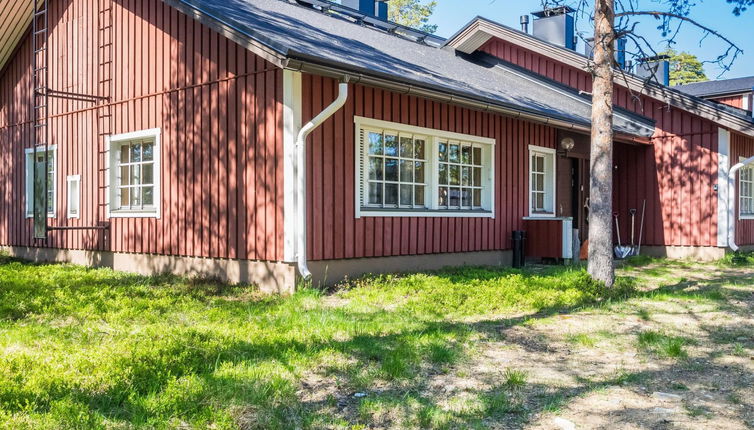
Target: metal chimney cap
(554,11)
(524,19)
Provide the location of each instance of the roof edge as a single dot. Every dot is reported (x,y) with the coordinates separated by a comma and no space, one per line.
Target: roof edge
(466,38)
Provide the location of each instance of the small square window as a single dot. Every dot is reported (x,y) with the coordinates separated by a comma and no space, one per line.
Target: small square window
(134,182)
(541,181)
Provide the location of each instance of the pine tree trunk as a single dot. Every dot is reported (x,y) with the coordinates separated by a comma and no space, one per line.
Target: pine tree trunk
(601,181)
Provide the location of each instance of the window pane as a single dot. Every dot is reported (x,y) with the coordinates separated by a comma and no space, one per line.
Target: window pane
(466,154)
(125,197)
(391,194)
(147,196)
(375,168)
(454,199)
(407,171)
(455,175)
(466,197)
(419,172)
(442,150)
(539,201)
(454,153)
(391,169)
(477,176)
(375,143)
(540,182)
(391,145)
(406,195)
(147,172)
(73,197)
(125,176)
(135,153)
(443,174)
(477,197)
(124,151)
(419,195)
(539,164)
(407,147)
(466,176)
(375,193)
(477,156)
(419,149)
(443,197)
(147,152)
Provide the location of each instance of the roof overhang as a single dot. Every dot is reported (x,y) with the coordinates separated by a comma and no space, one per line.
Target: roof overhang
(477,32)
(15,17)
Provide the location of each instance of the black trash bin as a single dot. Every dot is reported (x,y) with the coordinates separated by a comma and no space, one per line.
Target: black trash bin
(519,246)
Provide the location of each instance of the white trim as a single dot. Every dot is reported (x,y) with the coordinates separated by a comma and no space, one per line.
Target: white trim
(429,132)
(68,180)
(154,133)
(28,205)
(567,240)
(554,153)
(724,212)
(431,137)
(750,168)
(745,101)
(291,127)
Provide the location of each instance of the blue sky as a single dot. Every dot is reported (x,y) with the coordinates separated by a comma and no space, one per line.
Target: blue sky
(450,15)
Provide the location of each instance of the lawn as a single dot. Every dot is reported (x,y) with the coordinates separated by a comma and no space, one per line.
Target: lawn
(464,348)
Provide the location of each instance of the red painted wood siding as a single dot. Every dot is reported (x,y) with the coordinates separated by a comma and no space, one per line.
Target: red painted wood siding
(742,146)
(735,101)
(676,174)
(220,111)
(544,238)
(334,232)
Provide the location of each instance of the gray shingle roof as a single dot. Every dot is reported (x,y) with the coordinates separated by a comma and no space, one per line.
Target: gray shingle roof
(723,86)
(303,33)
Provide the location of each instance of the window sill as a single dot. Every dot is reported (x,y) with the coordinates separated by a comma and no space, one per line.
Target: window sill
(746,217)
(51,216)
(133,214)
(371,212)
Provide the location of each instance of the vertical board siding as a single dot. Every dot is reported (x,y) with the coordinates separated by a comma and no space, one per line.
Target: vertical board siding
(219,109)
(333,230)
(742,147)
(735,101)
(675,174)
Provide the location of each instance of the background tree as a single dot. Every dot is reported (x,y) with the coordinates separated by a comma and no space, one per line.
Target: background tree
(613,19)
(685,68)
(412,13)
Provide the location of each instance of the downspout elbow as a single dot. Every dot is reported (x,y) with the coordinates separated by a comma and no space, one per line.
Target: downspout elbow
(301,258)
(732,201)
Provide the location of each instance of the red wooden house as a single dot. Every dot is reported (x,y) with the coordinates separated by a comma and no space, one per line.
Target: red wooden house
(256,139)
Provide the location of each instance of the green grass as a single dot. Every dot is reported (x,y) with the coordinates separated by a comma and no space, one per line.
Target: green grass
(93,348)
(663,345)
(107,349)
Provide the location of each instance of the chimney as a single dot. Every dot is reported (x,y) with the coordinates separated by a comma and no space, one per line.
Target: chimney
(657,67)
(555,25)
(525,23)
(376,8)
(620,51)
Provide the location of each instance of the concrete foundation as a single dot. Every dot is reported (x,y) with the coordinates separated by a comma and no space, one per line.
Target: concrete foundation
(271,277)
(697,253)
(328,272)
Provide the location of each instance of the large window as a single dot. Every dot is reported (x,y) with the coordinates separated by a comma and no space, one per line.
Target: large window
(541,181)
(38,156)
(746,192)
(134,182)
(413,171)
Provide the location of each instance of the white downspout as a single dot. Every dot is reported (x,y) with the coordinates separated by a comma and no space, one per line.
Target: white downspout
(732,202)
(303,268)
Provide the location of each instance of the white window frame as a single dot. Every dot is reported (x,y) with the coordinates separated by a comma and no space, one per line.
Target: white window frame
(432,138)
(71,179)
(550,153)
(750,170)
(29,194)
(111,167)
